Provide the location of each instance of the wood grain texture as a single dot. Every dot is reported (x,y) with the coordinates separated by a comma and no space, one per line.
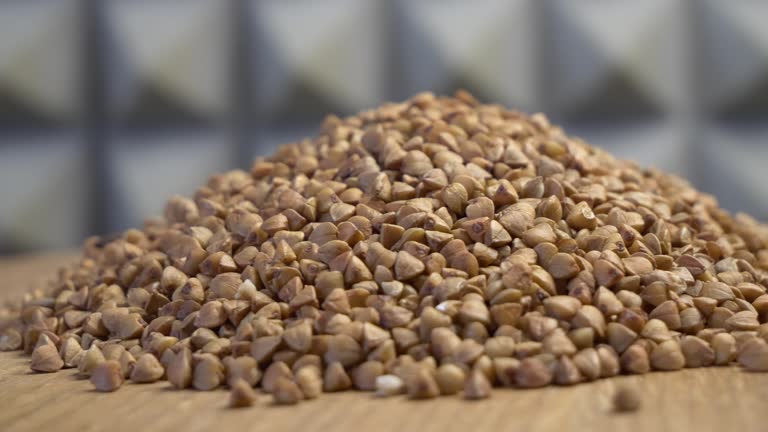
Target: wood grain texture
(716,399)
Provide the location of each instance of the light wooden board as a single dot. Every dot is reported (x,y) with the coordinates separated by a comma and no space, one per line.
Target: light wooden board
(716,399)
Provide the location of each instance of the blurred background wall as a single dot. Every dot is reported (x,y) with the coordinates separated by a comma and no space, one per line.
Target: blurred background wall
(108,107)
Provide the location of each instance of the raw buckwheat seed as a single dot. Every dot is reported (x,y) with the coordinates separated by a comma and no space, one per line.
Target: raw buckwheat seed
(626,399)
(432,247)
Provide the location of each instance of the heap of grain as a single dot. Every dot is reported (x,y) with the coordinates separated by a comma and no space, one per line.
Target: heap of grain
(432,247)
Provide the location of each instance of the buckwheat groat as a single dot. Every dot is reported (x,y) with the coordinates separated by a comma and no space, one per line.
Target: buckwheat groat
(433,247)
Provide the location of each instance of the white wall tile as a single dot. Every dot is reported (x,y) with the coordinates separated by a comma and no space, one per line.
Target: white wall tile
(168,58)
(40,58)
(313,57)
(147,170)
(487,46)
(615,59)
(43,191)
(733,58)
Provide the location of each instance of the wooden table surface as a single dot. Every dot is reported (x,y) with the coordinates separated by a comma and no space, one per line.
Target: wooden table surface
(716,399)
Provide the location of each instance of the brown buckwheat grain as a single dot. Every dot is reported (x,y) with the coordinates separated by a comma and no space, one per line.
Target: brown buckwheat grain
(435,246)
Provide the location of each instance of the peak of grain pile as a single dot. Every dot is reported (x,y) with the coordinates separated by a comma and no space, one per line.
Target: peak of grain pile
(436,246)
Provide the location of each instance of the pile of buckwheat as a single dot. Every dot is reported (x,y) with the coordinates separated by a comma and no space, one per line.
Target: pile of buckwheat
(432,247)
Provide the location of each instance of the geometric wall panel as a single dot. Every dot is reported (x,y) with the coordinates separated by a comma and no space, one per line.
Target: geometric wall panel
(180,89)
(311,58)
(43,191)
(733,58)
(487,47)
(731,165)
(147,170)
(618,59)
(39,62)
(650,144)
(266,141)
(168,60)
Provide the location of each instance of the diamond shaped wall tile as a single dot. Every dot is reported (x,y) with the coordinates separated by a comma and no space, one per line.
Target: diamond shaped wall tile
(619,73)
(148,169)
(487,47)
(43,191)
(650,144)
(39,62)
(168,60)
(730,163)
(315,57)
(265,142)
(733,58)
(618,59)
